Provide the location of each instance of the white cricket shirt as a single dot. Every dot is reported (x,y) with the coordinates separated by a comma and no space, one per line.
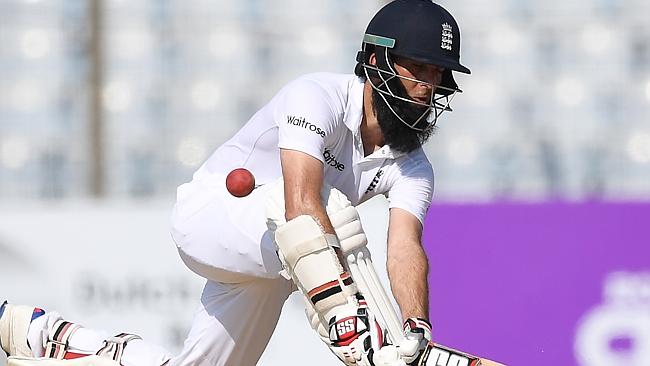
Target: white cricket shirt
(320,114)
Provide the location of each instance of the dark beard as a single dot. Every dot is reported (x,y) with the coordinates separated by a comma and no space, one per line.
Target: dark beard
(398,135)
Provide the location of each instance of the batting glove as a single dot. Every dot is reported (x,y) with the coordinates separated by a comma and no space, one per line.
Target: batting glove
(417,332)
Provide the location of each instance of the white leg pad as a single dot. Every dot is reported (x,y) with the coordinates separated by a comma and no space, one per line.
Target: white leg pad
(14,327)
(82,361)
(309,258)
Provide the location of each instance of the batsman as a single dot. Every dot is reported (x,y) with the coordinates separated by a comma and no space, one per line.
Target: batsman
(322,145)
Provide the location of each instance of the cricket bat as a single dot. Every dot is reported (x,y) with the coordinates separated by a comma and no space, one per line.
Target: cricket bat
(363,272)
(439,355)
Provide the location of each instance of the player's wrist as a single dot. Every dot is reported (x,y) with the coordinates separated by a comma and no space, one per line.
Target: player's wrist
(417,337)
(418,325)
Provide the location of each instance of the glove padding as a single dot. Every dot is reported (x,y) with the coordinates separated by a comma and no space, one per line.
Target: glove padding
(417,336)
(354,338)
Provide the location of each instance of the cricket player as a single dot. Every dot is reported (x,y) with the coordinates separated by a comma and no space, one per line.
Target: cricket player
(323,143)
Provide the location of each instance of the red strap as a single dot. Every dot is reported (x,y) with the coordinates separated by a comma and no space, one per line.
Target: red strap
(57,344)
(73,355)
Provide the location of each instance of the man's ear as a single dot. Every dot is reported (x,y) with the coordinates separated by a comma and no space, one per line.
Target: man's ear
(373,59)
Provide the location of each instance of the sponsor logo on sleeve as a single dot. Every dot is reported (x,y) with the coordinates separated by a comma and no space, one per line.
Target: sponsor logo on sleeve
(330,160)
(301,122)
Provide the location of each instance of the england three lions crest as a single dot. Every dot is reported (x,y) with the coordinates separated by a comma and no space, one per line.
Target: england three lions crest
(447,37)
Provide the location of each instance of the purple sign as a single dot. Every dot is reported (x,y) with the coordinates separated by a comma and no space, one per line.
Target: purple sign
(542,284)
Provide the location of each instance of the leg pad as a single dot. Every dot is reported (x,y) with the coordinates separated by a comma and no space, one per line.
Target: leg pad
(82,361)
(14,326)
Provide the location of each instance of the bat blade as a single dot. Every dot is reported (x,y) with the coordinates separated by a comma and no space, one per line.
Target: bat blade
(439,355)
(485,362)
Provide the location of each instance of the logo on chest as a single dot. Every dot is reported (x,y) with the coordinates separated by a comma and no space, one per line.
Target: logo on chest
(330,160)
(375,181)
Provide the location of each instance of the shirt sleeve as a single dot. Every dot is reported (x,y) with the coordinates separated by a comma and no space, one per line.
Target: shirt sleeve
(413,191)
(305,117)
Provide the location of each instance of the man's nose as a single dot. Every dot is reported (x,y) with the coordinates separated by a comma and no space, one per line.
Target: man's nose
(432,75)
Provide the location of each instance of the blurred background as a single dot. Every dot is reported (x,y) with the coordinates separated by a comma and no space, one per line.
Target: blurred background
(106,106)
(120,99)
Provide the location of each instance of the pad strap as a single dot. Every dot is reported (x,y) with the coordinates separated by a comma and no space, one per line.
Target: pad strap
(58,339)
(309,247)
(331,288)
(114,347)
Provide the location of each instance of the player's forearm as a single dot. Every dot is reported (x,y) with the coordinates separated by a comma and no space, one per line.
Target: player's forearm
(303,181)
(307,203)
(317,212)
(408,268)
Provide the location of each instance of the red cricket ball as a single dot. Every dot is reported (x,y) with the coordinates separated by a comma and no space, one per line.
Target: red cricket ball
(240,182)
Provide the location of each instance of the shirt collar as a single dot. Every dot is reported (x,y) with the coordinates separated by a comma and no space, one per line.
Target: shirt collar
(354,108)
(385,152)
(354,113)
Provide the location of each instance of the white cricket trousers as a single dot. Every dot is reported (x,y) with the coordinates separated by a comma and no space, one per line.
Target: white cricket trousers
(232,326)
(225,240)
(234,322)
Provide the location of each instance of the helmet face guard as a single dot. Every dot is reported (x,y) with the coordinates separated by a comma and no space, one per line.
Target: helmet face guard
(424,32)
(383,78)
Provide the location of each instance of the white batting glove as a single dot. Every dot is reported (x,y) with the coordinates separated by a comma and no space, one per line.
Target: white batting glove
(356,336)
(417,332)
(388,356)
